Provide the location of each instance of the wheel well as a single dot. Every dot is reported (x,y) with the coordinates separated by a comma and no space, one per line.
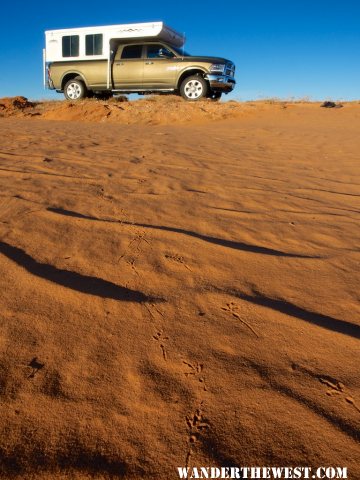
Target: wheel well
(71,76)
(189,73)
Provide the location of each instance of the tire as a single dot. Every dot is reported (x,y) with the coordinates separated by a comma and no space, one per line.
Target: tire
(75,90)
(215,96)
(194,88)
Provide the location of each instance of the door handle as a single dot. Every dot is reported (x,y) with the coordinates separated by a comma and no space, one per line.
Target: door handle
(149,63)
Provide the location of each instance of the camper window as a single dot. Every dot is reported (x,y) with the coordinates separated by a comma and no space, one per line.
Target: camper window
(94,44)
(70,46)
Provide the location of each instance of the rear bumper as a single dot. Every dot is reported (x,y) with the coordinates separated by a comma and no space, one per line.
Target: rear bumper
(221,83)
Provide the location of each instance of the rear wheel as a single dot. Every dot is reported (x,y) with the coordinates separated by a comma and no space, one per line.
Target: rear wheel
(194,88)
(75,89)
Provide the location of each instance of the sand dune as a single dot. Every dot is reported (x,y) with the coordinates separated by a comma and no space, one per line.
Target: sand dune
(179,286)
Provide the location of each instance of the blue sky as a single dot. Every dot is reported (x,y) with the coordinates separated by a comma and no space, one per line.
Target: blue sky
(281,48)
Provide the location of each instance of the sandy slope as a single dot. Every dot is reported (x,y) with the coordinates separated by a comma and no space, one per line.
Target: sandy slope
(179,294)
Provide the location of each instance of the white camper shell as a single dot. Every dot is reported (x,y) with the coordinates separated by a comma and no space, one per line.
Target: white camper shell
(96,43)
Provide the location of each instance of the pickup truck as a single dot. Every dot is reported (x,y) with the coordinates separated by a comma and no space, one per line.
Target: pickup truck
(150,61)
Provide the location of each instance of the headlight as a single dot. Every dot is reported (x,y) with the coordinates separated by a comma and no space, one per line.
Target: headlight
(217,67)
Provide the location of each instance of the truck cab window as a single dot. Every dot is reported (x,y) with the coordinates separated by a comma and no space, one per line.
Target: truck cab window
(70,46)
(132,51)
(158,51)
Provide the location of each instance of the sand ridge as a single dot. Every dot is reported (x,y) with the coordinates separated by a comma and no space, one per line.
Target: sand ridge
(150,110)
(182,293)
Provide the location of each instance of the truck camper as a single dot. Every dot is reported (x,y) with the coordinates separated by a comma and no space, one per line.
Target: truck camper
(131,58)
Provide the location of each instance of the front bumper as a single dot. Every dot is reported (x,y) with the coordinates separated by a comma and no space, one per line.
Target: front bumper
(221,83)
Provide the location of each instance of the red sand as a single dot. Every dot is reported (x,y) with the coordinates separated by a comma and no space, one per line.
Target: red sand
(182,290)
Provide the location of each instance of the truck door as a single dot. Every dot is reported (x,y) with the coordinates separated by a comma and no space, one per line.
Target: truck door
(160,67)
(128,67)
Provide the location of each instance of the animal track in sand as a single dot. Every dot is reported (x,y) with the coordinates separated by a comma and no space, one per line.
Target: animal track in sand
(161,338)
(149,308)
(197,424)
(196,371)
(135,247)
(178,259)
(35,366)
(131,263)
(135,244)
(338,389)
(98,190)
(232,308)
(335,387)
(142,180)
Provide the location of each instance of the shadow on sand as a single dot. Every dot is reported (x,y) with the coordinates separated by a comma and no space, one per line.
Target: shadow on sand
(73,280)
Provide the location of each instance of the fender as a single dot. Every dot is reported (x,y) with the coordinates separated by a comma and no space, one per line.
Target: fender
(76,73)
(189,69)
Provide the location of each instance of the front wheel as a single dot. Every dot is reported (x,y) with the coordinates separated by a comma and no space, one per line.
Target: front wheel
(75,90)
(194,88)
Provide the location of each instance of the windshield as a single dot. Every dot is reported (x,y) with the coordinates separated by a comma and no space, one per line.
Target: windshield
(181,52)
